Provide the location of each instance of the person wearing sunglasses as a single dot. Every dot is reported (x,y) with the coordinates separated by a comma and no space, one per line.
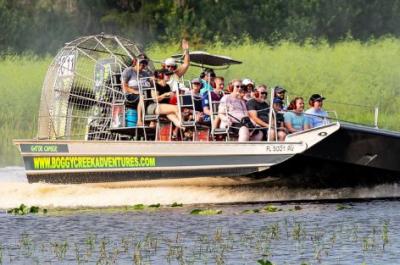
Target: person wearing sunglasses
(233,111)
(130,79)
(258,109)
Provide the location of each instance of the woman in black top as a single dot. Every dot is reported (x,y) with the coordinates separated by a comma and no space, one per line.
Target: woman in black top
(163,94)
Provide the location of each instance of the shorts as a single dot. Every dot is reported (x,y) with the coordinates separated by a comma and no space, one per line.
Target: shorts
(132,100)
(151,109)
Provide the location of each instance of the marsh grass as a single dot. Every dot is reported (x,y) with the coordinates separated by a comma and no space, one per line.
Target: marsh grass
(354,77)
(217,244)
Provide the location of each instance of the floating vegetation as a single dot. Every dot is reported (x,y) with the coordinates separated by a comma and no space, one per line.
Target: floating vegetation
(264,262)
(138,207)
(205,212)
(24,210)
(175,204)
(272,209)
(155,205)
(250,211)
(341,207)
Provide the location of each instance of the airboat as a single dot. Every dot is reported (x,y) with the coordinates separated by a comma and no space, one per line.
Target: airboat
(82,136)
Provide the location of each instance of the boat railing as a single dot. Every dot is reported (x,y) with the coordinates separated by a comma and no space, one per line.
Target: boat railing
(367,115)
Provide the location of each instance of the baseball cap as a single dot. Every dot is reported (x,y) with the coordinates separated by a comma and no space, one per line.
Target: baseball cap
(316,97)
(247,81)
(196,80)
(170,62)
(278,101)
(279,89)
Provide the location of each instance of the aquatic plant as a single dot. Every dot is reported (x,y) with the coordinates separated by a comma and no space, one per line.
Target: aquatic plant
(250,211)
(138,207)
(385,234)
(272,209)
(340,207)
(264,262)
(205,212)
(60,249)
(175,204)
(23,210)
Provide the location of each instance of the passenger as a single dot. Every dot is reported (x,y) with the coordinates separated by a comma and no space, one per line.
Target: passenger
(233,112)
(130,86)
(216,96)
(219,86)
(207,80)
(172,66)
(280,120)
(258,109)
(295,120)
(317,115)
(162,95)
(250,89)
(187,100)
(196,86)
(279,92)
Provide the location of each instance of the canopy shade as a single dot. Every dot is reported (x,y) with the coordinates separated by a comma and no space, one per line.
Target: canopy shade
(205,58)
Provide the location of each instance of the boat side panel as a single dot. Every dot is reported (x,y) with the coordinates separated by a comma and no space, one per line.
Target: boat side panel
(110,163)
(93,177)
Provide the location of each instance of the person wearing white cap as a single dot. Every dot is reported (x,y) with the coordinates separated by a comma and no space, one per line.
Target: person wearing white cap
(250,88)
(171,65)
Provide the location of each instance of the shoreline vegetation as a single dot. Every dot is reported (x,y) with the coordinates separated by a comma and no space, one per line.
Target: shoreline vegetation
(354,76)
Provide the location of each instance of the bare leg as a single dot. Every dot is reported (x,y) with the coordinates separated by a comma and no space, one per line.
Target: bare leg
(174,119)
(171,111)
(281,136)
(244,134)
(140,112)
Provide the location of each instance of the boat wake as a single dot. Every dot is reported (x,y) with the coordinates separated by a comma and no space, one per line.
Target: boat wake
(14,190)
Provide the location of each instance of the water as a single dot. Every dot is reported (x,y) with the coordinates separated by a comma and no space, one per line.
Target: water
(318,233)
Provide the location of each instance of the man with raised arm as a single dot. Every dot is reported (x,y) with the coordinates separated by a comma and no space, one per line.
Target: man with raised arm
(172,66)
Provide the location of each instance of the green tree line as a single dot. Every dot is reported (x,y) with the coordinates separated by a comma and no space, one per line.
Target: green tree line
(42,26)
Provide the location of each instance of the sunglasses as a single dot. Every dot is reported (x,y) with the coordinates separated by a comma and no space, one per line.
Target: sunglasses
(263,93)
(144,62)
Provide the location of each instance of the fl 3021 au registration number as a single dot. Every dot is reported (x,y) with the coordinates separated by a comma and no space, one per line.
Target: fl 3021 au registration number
(280,148)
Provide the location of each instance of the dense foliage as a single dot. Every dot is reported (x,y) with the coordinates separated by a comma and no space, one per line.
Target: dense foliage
(42,26)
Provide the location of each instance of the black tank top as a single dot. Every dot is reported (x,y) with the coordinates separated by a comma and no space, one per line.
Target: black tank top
(161,90)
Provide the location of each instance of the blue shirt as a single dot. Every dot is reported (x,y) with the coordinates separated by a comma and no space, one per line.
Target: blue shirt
(297,121)
(317,118)
(205,102)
